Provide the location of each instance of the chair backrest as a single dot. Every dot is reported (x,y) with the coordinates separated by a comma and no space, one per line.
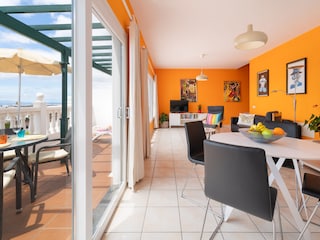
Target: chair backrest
(195,135)
(8,131)
(237,176)
(216,109)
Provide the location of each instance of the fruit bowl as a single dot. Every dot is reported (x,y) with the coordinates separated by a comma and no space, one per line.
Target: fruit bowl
(258,137)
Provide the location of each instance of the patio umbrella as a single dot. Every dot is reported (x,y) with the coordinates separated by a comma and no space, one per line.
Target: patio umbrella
(27,62)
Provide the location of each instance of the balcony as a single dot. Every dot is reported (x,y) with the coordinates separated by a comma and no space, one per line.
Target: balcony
(44,119)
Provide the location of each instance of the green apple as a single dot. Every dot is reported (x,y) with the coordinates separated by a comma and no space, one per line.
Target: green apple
(267,133)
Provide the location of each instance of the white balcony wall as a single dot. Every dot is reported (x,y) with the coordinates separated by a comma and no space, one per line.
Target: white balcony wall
(43,119)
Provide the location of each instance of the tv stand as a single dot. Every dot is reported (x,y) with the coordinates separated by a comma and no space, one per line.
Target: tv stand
(178,119)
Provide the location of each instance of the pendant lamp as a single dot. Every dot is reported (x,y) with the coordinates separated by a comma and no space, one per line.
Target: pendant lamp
(202,76)
(250,39)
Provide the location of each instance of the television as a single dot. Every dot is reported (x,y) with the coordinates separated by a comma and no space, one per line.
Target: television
(178,106)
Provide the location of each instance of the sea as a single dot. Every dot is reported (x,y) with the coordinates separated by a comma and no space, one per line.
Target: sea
(11,103)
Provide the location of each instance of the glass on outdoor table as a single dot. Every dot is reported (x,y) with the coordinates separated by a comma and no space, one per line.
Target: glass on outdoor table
(3,138)
(21,133)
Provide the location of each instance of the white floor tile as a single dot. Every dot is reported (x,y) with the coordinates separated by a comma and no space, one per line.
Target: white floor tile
(121,236)
(137,198)
(161,236)
(160,198)
(156,210)
(164,183)
(162,219)
(128,219)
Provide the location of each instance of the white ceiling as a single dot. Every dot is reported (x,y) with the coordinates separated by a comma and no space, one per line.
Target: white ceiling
(177,32)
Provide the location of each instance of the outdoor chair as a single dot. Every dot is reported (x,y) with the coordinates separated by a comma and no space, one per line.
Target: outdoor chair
(195,136)
(311,187)
(11,170)
(237,176)
(60,151)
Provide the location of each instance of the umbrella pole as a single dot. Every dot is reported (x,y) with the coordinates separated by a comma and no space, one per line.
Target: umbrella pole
(19,97)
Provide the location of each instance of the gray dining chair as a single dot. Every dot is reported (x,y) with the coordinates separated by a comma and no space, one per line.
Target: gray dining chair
(237,176)
(195,135)
(311,187)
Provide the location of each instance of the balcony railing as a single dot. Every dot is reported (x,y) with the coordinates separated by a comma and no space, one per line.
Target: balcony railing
(43,118)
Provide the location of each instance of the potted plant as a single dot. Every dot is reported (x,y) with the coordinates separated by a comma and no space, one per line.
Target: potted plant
(199,108)
(164,120)
(313,123)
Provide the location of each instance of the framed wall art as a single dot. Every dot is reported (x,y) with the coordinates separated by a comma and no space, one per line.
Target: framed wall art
(297,76)
(188,90)
(231,91)
(263,83)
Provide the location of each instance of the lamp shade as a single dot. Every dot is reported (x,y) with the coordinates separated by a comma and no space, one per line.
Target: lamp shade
(250,39)
(202,77)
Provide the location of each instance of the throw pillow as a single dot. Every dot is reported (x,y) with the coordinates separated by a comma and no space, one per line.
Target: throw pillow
(245,119)
(213,118)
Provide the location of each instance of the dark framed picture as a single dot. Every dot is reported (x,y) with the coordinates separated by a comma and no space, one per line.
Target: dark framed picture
(297,76)
(263,83)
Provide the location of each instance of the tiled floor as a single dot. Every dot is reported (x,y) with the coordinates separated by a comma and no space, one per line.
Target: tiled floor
(155,210)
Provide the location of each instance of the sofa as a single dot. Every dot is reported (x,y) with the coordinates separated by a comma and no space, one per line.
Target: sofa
(291,128)
(235,126)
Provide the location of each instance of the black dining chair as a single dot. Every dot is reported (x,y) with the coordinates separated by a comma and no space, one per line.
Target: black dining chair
(60,150)
(311,187)
(195,135)
(237,176)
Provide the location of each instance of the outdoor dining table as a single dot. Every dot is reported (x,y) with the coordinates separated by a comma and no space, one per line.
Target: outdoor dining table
(284,148)
(18,144)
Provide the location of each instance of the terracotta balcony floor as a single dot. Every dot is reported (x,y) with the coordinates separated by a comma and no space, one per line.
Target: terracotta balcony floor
(49,217)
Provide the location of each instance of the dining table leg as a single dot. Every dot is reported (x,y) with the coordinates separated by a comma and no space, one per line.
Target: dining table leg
(18,187)
(26,171)
(287,197)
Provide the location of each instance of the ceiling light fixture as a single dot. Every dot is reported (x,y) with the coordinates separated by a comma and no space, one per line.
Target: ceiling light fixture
(202,76)
(250,39)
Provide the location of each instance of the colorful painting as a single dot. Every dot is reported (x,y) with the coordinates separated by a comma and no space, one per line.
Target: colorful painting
(188,90)
(231,91)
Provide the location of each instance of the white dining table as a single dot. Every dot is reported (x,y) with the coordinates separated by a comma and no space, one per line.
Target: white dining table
(284,148)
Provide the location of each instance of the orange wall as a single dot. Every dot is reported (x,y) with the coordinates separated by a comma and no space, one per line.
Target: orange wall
(304,46)
(209,92)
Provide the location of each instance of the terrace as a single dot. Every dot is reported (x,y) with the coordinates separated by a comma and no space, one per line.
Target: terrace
(50,216)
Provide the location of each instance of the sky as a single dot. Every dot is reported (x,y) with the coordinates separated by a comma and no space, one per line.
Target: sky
(50,86)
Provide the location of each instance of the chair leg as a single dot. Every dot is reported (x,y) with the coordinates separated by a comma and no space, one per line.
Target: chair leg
(205,217)
(35,179)
(309,220)
(187,180)
(218,225)
(298,181)
(67,166)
